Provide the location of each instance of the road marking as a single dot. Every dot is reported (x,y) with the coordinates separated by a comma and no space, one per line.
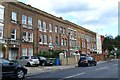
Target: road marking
(75,75)
(101,68)
(114,64)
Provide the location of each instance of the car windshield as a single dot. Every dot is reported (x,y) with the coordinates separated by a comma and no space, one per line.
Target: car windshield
(42,58)
(34,57)
(89,58)
(82,58)
(4,61)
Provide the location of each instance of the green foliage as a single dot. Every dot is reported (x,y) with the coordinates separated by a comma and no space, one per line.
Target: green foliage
(50,54)
(117,42)
(108,44)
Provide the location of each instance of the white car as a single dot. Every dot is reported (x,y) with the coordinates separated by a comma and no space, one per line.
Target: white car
(29,60)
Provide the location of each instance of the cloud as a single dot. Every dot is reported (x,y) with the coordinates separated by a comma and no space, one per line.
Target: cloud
(87,13)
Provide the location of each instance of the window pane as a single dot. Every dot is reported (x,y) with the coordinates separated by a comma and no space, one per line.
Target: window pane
(24,52)
(29,21)
(56,29)
(14,16)
(56,40)
(24,19)
(39,24)
(50,27)
(44,26)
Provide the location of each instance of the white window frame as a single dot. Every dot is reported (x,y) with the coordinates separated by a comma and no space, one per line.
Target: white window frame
(56,29)
(24,21)
(44,26)
(1,13)
(62,41)
(24,51)
(64,31)
(50,39)
(30,37)
(50,27)
(30,52)
(56,41)
(41,37)
(14,17)
(61,30)
(40,25)
(65,42)
(25,38)
(1,30)
(45,39)
(14,34)
(29,22)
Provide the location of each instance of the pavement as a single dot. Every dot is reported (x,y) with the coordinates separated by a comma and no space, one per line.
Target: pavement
(41,69)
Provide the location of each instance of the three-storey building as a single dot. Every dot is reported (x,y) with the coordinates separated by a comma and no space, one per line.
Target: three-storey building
(25,30)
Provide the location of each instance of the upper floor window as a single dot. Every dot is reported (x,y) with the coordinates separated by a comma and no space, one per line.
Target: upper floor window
(25,36)
(13,34)
(75,33)
(64,31)
(65,42)
(45,39)
(14,17)
(39,25)
(1,13)
(24,20)
(31,37)
(62,41)
(56,40)
(44,26)
(61,30)
(30,22)
(1,30)
(41,39)
(56,29)
(50,39)
(50,27)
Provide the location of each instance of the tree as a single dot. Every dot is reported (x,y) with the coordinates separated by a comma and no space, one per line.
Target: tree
(117,42)
(108,44)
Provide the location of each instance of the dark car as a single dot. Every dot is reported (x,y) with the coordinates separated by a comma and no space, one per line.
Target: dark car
(12,69)
(87,61)
(44,61)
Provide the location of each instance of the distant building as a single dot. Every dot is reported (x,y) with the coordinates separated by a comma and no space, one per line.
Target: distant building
(109,36)
(99,44)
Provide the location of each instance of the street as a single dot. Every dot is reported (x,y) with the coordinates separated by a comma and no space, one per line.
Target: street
(107,71)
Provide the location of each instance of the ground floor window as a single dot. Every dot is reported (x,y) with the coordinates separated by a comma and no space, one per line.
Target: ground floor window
(24,52)
(30,52)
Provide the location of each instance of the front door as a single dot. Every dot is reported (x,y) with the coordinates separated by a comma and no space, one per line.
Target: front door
(13,53)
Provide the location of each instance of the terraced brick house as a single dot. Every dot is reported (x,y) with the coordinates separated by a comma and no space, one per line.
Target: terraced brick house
(25,30)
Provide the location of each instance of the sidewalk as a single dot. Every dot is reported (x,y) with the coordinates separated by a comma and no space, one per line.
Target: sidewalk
(40,69)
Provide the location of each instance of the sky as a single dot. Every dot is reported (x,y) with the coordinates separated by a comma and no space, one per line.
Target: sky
(100,16)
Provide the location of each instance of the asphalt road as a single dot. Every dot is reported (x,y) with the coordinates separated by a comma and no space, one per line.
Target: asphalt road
(103,71)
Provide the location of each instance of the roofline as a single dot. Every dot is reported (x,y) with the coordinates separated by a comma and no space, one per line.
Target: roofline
(50,15)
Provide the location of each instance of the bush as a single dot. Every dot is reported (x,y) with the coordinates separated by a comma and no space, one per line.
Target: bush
(50,54)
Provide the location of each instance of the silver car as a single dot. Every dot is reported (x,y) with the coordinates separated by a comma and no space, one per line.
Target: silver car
(29,60)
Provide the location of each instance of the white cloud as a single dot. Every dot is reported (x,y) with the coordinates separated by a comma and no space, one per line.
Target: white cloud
(87,13)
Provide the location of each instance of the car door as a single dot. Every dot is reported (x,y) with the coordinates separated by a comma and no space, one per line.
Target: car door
(7,67)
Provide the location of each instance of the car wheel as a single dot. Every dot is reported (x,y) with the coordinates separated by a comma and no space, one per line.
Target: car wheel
(43,64)
(20,74)
(28,64)
(95,64)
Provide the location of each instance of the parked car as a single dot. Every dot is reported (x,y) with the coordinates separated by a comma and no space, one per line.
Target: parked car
(29,60)
(44,61)
(12,70)
(87,61)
